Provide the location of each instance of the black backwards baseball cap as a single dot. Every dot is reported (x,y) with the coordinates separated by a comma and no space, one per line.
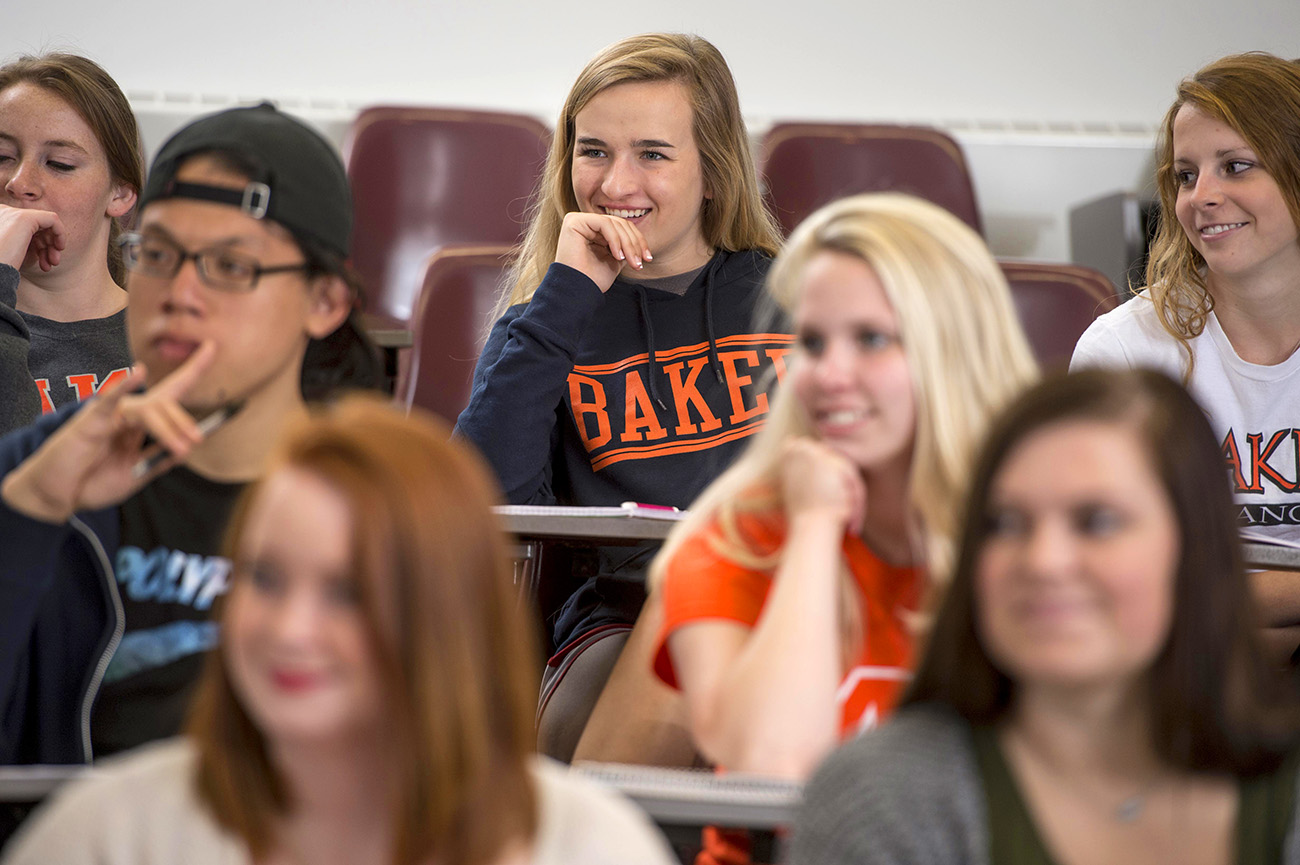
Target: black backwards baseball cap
(301,182)
(298,181)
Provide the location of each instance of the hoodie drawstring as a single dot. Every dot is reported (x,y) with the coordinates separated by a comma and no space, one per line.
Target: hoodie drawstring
(708,317)
(714,361)
(650,342)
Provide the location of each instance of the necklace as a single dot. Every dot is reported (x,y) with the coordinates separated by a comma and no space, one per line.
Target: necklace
(1131,807)
(1129,810)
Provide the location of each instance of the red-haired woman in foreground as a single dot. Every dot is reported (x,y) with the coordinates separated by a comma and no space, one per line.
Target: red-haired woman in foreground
(372,698)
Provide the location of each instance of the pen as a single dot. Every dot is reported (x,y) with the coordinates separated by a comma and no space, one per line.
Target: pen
(206,426)
(631,506)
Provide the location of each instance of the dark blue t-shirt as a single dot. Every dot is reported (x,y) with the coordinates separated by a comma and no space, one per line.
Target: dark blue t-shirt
(169,573)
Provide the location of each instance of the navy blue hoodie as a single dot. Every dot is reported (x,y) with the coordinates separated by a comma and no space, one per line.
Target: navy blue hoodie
(569,407)
(60,619)
(584,398)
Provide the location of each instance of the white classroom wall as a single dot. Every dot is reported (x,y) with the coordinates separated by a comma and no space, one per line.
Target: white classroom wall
(1055,102)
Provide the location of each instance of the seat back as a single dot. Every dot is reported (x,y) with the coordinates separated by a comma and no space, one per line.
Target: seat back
(423,178)
(1056,303)
(458,292)
(807,165)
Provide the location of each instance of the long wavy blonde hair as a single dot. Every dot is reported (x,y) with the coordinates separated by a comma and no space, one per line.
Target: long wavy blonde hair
(734,217)
(964,346)
(1258,95)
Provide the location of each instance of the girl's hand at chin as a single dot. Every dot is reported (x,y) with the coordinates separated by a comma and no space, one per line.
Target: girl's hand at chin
(30,237)
(599,246)
(821,483)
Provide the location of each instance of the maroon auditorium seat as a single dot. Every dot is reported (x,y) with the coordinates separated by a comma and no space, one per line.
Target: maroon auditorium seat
(1056,303)
(807,165)
(429,177)
(458,292)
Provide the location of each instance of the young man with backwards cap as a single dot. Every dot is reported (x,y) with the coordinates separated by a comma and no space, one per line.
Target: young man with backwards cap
(112,515)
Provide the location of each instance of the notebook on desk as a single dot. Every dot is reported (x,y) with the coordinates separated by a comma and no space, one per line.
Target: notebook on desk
(701,796)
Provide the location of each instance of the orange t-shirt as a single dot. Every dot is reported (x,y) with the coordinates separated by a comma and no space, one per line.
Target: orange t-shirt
(700,584)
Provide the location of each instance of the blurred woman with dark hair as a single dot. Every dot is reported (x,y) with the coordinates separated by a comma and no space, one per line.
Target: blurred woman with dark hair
(1094,688)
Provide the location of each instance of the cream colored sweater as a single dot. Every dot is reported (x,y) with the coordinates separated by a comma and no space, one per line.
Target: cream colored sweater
(142,809)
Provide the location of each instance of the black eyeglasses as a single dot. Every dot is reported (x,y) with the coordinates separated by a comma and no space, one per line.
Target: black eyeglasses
(222,269)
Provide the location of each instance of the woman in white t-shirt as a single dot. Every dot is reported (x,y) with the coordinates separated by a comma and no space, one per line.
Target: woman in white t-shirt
(1221,310)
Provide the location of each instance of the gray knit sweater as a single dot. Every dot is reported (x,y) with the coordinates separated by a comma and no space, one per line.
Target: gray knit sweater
(909,793)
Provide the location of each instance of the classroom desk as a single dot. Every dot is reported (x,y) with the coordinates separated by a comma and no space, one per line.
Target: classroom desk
(680,801)
(574,525)
(1271,556)
(34,783)
(539,528)
(699,797)
(22,788)
(546,533)
(390,341)
(683,801)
